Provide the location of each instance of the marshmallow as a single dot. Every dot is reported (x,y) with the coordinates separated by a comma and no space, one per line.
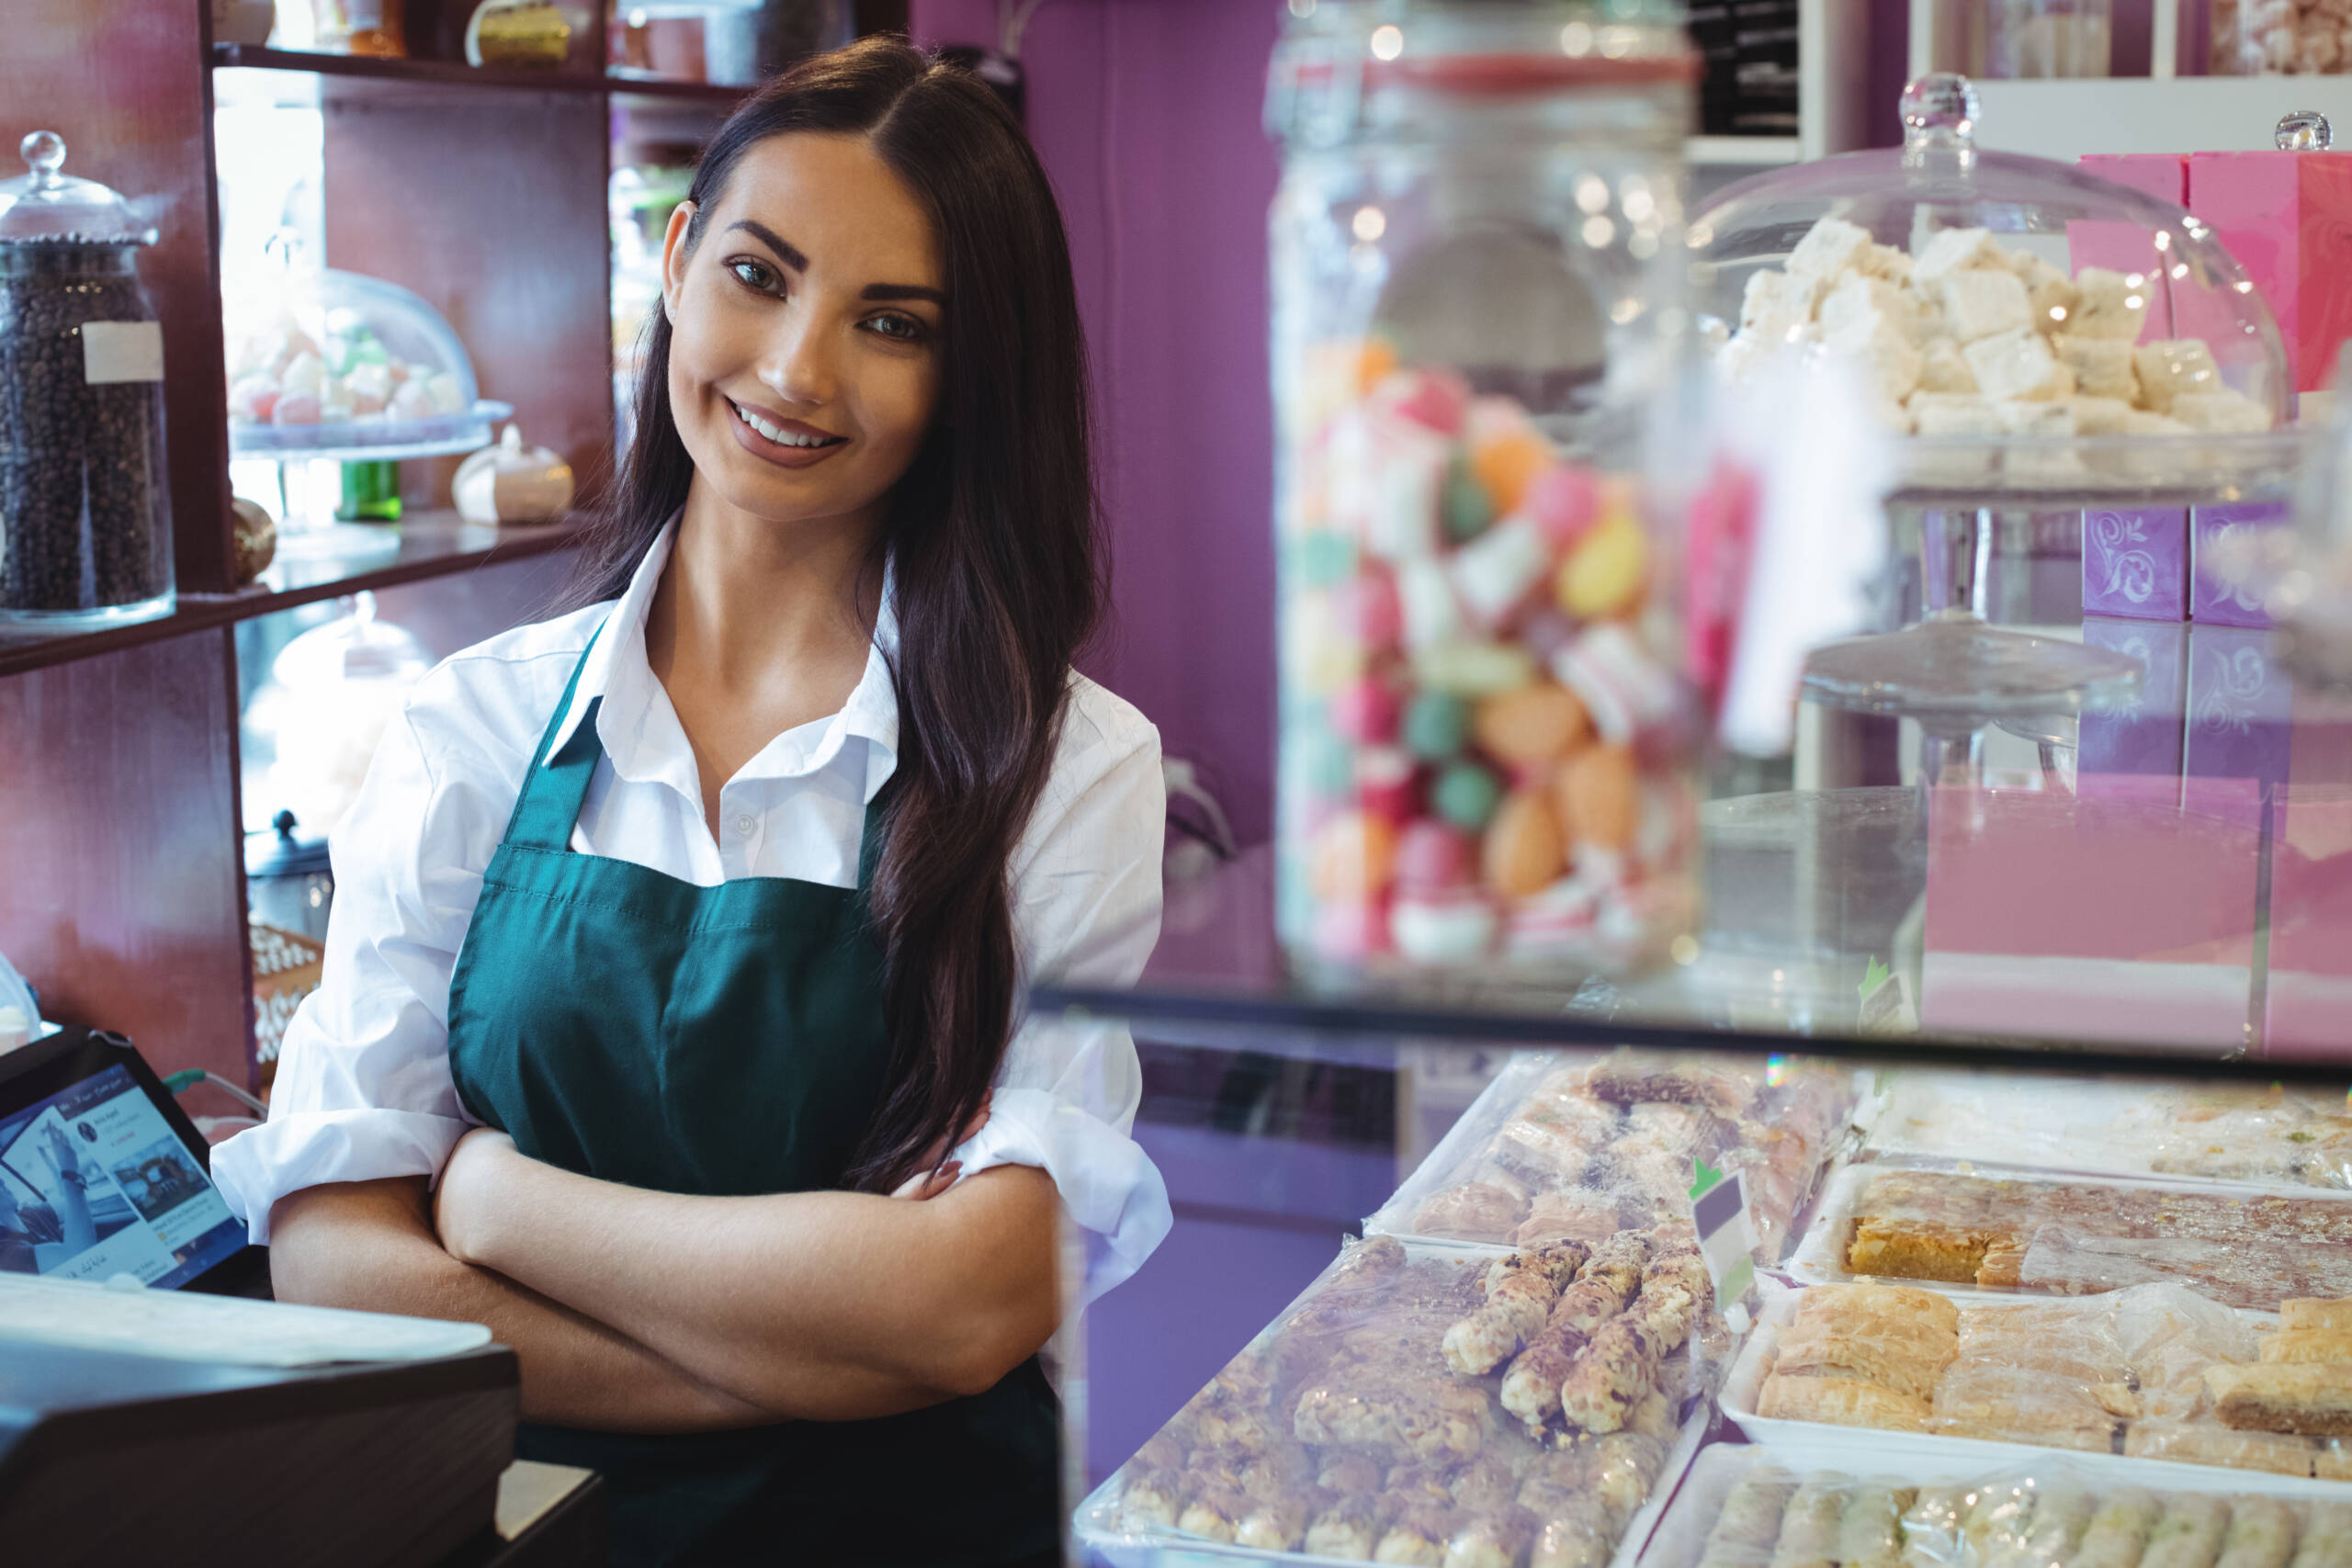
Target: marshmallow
(1774,306)
(2017,365)
(2095,416)
(2102,366)
(1941,369)
(1954,250)
(2044,419)
(1950,413)
(2111,306)
(2139,421)
(2050,294)
(1868,319)
(1981,303)
(2222,409)
(1830,248)
(2170,367)
(1894,263)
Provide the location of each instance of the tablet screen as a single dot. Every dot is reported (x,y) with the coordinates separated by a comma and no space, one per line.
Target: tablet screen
(94,1183)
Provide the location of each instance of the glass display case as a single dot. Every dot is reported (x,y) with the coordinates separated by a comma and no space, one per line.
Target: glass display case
(1872,1303)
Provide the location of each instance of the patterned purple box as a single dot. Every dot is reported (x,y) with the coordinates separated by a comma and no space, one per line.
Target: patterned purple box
(2241,723)
(2134,748)
(2135,564)
(2211,599)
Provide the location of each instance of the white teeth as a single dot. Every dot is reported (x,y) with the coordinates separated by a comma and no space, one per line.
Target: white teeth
(780,436)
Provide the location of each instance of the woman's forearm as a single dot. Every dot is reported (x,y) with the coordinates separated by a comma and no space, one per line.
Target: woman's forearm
(826,1305)
(369,1246)
(73,1220)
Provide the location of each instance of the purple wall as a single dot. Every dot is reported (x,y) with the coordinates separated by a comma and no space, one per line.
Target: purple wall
(1147,115)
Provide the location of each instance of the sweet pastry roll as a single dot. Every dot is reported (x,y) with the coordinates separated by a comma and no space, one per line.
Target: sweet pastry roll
(2261,1534)
(1842,1402)
(1348,1529)
(2190,1534)
(1809,1526)
(1497,1539)
(1878,1300)
(1473,1211)
(1870,1533)
(2118,1533)
(2309,1345)
(2206,1442)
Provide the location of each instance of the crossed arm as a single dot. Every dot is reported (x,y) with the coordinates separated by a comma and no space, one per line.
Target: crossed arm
(642,1311)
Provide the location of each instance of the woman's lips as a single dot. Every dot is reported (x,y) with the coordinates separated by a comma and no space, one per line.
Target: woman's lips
(782,454)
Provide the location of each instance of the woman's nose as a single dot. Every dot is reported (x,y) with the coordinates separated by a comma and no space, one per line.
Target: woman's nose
(799,366)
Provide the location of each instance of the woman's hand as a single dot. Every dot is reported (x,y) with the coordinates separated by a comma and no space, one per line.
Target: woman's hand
(468,1185)
(939,1173)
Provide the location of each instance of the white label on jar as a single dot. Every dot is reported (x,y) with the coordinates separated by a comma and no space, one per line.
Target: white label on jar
(121,351)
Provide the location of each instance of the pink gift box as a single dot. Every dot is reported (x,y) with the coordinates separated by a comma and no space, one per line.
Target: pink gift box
(2286,217)
(2164,176)
(2308,998)
(2057,916)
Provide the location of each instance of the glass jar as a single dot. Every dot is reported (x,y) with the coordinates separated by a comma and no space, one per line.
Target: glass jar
(85,520)
(2261,38)
(2035,39)
(1483,732)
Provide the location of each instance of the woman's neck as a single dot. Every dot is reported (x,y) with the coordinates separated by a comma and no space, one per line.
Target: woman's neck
(758,627)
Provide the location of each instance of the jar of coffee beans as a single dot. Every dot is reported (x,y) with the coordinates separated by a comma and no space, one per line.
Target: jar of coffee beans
(86,527)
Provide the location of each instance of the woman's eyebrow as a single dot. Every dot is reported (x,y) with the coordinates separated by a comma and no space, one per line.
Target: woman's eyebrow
(786,254)
(790,256)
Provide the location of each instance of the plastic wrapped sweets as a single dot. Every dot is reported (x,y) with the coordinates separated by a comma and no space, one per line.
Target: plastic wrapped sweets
(2274,1136)
(1581,1149)
(1739,1509)
(2147,1368)
(1476,1412)
(2079,1238)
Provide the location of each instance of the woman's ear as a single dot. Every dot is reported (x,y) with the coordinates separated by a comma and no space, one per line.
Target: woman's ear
(677,249)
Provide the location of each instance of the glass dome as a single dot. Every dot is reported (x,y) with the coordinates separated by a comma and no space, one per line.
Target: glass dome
(2036,332)
(329,364)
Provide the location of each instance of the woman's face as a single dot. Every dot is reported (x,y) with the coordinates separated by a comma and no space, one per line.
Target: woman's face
(806,330)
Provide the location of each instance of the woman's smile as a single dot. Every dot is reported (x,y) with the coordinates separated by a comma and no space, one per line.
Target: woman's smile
(789,443)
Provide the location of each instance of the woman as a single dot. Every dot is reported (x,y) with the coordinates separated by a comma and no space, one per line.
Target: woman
(705,906)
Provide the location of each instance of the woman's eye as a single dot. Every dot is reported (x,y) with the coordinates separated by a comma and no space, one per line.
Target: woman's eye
(901,329)
(752,274)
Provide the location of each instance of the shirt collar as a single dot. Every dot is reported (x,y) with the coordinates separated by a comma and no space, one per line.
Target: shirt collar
(640,732)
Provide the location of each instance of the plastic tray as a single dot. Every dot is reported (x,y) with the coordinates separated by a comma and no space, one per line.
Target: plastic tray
(1819,1256)
(1682,1533)
(2098,1126)
(1926,1456)
(1096,1521)
(1456,1154)
(1099,1532)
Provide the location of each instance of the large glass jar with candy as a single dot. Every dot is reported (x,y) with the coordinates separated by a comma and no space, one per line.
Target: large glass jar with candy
(1484,776)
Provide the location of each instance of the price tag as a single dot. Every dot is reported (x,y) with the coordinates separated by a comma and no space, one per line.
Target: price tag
(1726,1235)
(121,351)
(1886,1003)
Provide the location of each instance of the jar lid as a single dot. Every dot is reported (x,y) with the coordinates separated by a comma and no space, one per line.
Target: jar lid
(49,204)
(353,647)
(275,850)
(1338,57)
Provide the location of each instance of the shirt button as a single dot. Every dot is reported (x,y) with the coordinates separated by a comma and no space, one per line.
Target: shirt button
(746,824)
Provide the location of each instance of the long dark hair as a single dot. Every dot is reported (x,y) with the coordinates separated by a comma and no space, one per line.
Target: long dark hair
(992,537)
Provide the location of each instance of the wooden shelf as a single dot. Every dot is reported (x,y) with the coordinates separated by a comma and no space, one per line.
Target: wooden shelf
(432,544)
(455,73)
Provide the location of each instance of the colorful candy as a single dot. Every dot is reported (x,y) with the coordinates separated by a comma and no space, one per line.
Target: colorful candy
(1606,571)
(1599,795)
(1465,794)
(1488,733)
(1531,726)
(1435,726)
(1367,711)
(1523,852)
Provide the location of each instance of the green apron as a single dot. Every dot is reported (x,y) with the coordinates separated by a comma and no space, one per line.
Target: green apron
(726,1041)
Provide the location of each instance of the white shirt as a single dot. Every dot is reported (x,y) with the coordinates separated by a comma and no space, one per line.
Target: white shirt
(363,1089)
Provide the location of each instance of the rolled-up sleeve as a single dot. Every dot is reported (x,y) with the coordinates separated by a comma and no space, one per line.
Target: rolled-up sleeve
(363,1089)
(1086,894)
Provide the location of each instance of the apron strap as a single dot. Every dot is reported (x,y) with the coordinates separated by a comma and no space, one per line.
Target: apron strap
(869,844)
(552,791)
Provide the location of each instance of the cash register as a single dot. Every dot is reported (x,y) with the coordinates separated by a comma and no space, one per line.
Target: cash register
(155,1407)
